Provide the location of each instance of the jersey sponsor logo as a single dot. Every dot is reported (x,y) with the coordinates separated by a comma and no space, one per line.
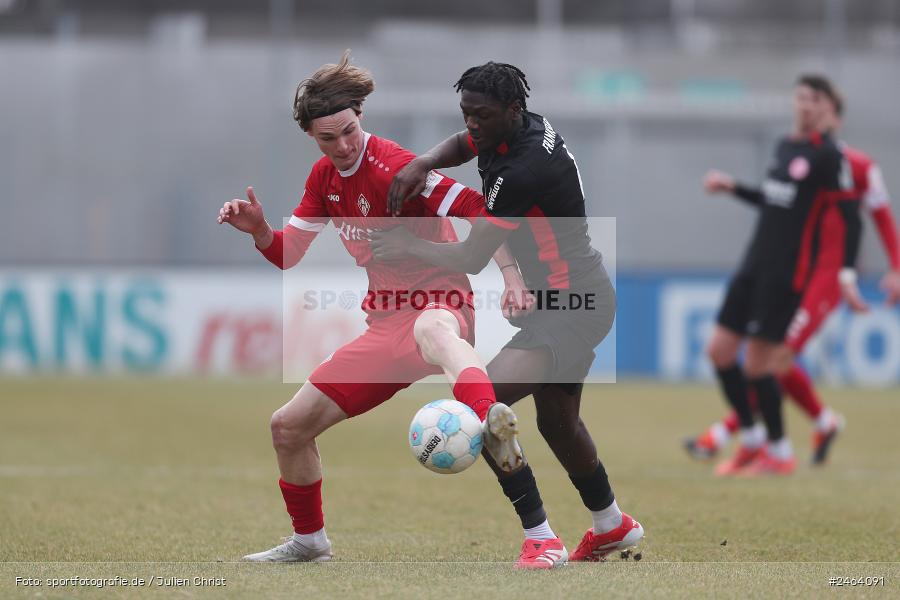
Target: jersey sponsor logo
(431,182)
(363,205)
(492,196)
(549,137)
(798,168)
(334,197)
(352,233)
(779,193)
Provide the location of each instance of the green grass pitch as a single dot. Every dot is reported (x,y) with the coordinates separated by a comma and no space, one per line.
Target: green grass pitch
(148,478)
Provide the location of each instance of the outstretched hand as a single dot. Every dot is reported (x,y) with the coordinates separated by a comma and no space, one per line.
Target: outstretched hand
(716,182)
(243,215)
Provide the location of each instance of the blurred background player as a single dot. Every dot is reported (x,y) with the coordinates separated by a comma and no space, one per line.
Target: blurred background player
(823,294)
(402,344)
(809,180)
(534,198)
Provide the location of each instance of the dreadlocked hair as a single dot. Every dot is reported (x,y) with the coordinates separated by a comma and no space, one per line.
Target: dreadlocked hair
(332,88)
(500,81)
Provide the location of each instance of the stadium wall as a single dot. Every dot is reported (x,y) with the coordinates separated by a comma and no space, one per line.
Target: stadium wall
(192,322)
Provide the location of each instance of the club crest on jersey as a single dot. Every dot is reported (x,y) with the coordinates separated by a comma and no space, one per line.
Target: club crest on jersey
(363,205)
(798,168)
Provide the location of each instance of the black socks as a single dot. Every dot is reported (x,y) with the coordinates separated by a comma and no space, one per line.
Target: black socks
(522,491)
(768,397)
(594,489)
(734,386)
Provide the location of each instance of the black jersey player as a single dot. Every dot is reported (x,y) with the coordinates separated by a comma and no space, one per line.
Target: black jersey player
(534,201)
(808,175)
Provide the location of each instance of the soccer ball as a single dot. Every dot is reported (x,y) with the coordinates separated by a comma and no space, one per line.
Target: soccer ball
(445,436)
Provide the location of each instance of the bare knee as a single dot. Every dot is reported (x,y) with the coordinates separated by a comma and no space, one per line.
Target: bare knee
(723,348)
(437,334)
(289,434)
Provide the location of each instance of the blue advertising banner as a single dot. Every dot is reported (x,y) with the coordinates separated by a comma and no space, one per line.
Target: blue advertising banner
(173,322)
(664,321)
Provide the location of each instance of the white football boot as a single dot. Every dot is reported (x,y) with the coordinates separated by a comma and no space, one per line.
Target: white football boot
(499,432)
(292,551)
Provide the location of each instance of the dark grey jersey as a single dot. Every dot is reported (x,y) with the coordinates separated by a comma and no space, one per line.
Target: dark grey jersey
(531,185)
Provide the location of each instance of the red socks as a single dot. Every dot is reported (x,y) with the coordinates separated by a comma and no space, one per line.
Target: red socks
(475,390)
(731,422)
(799,387)
(304,504)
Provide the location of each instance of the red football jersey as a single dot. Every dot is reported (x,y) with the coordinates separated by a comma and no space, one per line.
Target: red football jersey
(869,187)
(355,202)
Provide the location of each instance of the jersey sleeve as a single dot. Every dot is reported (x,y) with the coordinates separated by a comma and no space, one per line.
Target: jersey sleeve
(876,194)
(446,197)
(443,196)
(290,244)
(749,194)
(877,200)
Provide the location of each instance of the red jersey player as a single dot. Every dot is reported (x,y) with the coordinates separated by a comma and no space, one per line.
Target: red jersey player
(403,342)
(823,294)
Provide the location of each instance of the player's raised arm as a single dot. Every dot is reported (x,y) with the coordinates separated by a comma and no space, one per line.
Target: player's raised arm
(719,182)
(283,248)
(410,180)
(247,216)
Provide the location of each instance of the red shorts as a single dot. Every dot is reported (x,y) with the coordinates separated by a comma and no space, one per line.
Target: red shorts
(821,297)
(385,359)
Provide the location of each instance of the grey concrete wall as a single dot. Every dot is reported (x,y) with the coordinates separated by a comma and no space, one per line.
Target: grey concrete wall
(121,152)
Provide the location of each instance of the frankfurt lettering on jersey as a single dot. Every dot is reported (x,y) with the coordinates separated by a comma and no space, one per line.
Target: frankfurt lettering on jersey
(534,188)
(549,137)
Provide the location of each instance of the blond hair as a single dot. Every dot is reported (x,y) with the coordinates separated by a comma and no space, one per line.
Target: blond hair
(332,89)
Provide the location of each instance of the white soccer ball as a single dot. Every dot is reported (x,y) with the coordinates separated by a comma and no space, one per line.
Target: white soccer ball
(445,436)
